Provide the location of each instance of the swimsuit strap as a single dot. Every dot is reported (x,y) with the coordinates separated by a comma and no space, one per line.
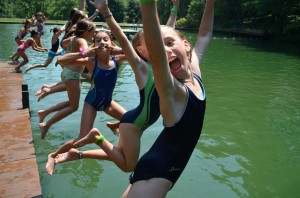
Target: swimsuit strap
(198,78)
(116,63)
(69,48)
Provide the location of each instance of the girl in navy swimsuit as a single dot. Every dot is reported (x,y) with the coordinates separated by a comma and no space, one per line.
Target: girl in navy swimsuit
(104,69)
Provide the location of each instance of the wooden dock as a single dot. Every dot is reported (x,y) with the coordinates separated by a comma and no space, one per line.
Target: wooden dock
(129,31)
(19,176)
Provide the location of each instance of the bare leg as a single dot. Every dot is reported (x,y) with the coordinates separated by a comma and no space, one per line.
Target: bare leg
(25,61)
(73,154)
(116,111)
(126,155)
(47,91)
(38,92)
(114,127)
(47,62)
(74,89)
(43,113)
(87,120)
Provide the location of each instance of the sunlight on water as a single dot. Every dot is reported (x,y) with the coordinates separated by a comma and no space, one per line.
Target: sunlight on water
(250,141)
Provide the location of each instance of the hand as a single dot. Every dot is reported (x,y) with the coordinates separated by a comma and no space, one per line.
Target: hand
(45,49)
(101,5)
(116,50)
(91,52)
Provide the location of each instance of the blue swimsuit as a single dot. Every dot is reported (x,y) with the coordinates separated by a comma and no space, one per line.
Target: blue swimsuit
(173,148)
(102,87)
(147,112)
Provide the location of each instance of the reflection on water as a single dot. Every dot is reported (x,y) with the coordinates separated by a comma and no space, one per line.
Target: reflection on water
(250,141)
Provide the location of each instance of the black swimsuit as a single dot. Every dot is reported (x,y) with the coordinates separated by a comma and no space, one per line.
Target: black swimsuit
(173,148)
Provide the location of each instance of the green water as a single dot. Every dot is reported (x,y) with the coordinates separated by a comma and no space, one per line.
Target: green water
(250,141)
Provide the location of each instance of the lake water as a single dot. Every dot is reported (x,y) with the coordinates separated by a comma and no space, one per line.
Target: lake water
(250,141)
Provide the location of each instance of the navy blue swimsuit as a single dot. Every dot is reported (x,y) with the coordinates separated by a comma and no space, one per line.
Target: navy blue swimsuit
(173,148)
(102,87)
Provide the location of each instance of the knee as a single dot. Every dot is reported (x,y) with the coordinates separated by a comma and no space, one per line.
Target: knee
(74,108)
(128,168)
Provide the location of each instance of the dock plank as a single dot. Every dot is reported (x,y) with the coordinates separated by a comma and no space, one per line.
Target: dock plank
(19,176)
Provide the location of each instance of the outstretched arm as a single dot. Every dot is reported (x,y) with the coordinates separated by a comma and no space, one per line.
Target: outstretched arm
(92,17)
(204,35)
(173,15)
(37,48)
(156,49)
(82,5)
(79,58)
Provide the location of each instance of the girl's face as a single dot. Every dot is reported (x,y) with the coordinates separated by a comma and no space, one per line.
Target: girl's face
(103,41)
(39,17)
(176,50)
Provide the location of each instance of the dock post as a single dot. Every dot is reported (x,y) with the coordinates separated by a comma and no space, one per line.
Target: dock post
(25,96)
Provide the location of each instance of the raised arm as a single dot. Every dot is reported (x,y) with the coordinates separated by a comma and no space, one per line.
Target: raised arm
(116,30)
(92,17)
(204,35)
(82,5)
(173,15)
(156,49)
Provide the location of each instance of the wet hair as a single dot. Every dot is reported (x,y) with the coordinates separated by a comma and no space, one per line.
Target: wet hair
(79,14)
(81,27)
(38,14)
(136,41)
(33,33)
(27,22)
(72,12)
(56,29)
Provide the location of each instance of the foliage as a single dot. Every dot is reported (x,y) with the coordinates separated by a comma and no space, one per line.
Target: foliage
(182,23)
(279,17)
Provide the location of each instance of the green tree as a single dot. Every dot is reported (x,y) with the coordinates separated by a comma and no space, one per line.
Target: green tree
(133,11)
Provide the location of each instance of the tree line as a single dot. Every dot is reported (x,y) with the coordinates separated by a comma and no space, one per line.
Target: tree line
(277,17)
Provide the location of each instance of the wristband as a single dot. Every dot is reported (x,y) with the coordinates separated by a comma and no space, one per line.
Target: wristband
(174,9)
(99,140)
(147,1)
(83,53)
(109,15)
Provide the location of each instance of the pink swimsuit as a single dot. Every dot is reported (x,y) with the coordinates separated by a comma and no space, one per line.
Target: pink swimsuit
(23,46)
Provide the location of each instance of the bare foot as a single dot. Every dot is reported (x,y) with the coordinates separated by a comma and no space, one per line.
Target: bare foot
(44,129)
(90,138)
(50,164)
(114,127)
(38,92)
(42,114)
(18,70)
(44,93)
(27,69)
(72,154)
(11,58)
